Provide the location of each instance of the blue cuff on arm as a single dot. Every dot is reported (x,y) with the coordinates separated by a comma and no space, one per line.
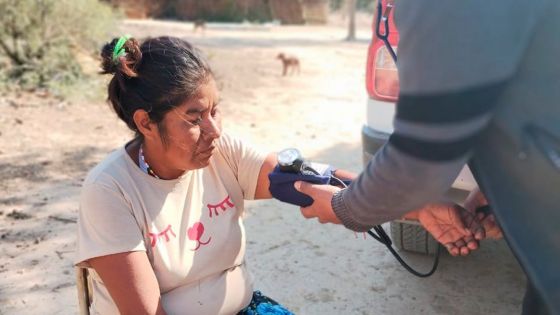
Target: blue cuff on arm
(282,186)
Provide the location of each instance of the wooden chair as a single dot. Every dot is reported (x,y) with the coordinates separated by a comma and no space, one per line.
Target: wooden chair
(84,286)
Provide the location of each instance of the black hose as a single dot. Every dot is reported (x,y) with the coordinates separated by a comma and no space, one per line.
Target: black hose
(384,239)
(382,236)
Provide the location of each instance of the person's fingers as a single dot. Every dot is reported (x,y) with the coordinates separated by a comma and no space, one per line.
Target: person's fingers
(460,243)
(455,235)
(481,198)
(447,236)
(307,212)
(497,234)
(304,187)
(474,224)
(453,251)
(494,232)
(479,233)
(489,220)
(478,227)
(457,221)
(472,244)
(492,229)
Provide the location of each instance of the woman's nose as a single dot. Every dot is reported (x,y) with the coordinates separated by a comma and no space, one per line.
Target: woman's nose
(211,128)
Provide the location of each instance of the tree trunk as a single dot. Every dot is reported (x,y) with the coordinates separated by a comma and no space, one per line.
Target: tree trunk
(351,6)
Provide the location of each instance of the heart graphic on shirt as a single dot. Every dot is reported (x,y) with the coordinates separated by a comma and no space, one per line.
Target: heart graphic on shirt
(195,232)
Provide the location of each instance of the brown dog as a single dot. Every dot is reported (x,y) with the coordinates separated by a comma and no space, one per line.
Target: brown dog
(199,24)
(288,62)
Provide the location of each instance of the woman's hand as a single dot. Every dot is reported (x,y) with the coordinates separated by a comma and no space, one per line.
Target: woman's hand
(451,225)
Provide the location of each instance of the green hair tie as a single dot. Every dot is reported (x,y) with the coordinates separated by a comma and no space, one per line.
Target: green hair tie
(118,51)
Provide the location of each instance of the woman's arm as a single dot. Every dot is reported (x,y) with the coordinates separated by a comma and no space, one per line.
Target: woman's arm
(131,281)
(262,191)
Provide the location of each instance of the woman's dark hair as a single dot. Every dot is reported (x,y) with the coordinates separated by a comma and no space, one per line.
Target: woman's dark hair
(156,76)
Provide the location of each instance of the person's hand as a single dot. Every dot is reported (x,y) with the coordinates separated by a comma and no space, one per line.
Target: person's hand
(476,200)
(451,225)
(321,207)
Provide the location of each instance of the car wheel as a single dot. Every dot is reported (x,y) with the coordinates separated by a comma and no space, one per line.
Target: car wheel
(412,237)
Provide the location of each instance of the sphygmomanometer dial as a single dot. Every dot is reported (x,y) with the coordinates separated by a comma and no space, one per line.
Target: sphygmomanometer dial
(290,160)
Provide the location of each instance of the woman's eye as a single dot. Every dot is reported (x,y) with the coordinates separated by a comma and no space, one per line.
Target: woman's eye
(196,121)
(215,112)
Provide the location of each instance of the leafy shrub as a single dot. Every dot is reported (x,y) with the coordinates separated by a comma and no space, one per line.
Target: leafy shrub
(363,5)
(40,39)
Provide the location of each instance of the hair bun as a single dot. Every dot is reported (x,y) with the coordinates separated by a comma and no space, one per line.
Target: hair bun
(125,63)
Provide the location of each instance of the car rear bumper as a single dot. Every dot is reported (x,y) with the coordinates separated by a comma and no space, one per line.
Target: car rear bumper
(372,140)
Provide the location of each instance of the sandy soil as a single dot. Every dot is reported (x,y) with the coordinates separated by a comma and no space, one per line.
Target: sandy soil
(47,146)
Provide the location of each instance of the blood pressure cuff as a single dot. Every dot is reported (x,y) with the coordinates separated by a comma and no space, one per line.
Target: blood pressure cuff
(282,183)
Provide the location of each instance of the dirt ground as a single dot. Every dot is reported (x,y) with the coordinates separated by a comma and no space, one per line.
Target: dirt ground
(47,146)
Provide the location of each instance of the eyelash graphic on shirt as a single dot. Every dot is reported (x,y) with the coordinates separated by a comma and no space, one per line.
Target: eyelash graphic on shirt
(195,233)
(154,237)
(224,205)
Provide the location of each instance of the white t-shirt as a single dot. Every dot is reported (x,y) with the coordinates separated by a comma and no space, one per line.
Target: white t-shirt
(190,228)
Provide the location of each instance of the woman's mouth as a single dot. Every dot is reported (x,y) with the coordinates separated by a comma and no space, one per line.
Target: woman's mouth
(208,150)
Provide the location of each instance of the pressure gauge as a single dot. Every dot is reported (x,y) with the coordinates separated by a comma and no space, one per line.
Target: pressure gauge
(290,160)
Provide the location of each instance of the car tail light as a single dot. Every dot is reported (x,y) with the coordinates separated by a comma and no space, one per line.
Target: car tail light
(385,75)
(382,81)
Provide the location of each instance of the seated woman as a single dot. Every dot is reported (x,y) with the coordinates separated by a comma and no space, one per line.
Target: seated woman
(160,218)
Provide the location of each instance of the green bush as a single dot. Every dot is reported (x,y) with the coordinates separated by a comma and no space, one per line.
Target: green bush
(40,39)
(362,5)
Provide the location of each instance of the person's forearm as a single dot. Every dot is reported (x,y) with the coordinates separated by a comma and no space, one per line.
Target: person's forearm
(347,175)
(422,158)
(392,185)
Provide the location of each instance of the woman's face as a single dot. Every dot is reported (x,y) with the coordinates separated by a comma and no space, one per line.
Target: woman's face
(190,130)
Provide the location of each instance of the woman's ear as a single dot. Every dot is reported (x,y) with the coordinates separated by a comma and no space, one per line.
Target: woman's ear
(144,124)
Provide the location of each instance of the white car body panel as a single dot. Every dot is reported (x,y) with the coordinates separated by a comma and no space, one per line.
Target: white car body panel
(380,117)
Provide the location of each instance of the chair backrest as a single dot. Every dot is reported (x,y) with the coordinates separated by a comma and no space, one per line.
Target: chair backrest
(83,283)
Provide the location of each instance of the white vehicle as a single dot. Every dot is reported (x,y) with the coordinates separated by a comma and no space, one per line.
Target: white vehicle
(383,87)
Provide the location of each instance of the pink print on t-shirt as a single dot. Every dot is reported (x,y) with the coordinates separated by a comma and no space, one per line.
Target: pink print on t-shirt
(195,233)
(155,236)
(224,205)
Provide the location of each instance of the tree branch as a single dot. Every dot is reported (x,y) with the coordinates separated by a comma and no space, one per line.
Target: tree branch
(11,54)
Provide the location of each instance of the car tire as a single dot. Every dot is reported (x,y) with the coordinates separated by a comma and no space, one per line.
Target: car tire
(410,236)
